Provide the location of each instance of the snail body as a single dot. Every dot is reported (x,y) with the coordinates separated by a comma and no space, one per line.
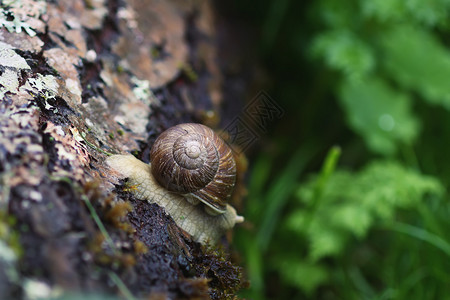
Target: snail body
(189,164)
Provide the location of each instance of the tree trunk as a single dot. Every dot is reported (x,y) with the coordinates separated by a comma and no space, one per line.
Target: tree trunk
(80,79)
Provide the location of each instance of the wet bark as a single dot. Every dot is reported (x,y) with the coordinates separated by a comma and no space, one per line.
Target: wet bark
(80,79)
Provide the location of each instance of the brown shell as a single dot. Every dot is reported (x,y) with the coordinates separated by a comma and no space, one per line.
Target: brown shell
(191,159)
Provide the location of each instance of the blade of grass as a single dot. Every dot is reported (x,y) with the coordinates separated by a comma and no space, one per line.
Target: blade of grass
(99,223)
(273,23)
(360,282)
(328,168)
(258,181)
(255,267)
(422,235)
(280,192)
(83,136)
(407,284)
(121,286)
(430,219)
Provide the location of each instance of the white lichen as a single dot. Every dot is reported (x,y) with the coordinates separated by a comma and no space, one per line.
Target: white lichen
(203,227)
(44,85)
(37,290)
(9,58)
(18,15)
(8,260)
(143,92)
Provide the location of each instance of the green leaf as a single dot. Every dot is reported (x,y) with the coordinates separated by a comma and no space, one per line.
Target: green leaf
(306,275)
(384,10)
(380,114)
(325,240)
(297,220)
(344,51)
(352,218)
(386,185)
(336,13)
(350,203)
(430,12)
(417,60)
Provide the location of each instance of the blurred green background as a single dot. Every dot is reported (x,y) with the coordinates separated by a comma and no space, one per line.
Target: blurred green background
(348,192)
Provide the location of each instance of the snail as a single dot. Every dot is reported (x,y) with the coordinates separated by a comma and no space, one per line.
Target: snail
(191,174)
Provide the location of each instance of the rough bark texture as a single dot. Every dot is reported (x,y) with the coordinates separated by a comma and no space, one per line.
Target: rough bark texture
(79,75)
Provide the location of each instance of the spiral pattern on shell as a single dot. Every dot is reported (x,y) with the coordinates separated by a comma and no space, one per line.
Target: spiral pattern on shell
(191,159)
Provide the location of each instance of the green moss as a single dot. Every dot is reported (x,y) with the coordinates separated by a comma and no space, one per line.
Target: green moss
(9,237)
(189,72)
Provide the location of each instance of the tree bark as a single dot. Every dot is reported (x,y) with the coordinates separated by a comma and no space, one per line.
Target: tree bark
(80,79)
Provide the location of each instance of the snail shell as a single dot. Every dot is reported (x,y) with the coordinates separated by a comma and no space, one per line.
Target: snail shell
(190,159)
